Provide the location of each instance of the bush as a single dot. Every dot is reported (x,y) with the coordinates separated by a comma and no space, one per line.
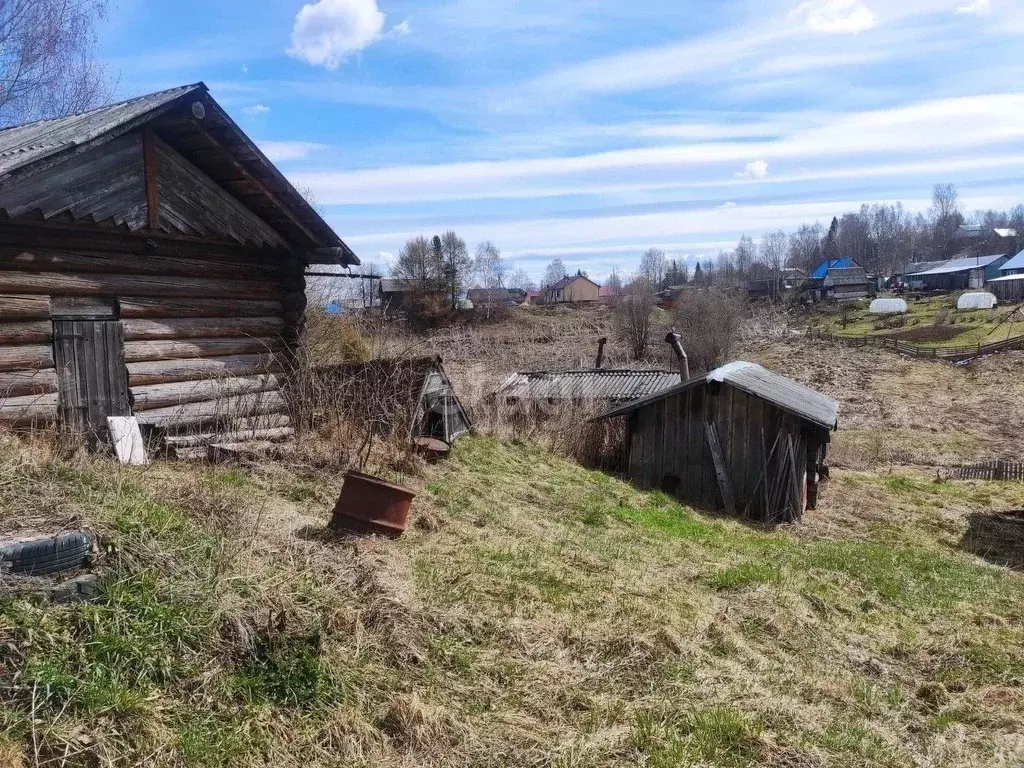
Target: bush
(944,316)
(709,322)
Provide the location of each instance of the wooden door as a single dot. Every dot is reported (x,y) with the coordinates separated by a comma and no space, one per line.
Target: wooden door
(91,372)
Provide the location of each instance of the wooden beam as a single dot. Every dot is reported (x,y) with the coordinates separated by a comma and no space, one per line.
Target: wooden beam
(29,409)
(152,188)
(721,471)
(215,410)
(27,357)
(70,284)
(24,307)
(155,396)
(204,265)
(27,382)
(137,351)
(143,307)
(192,369)
(198,328)
(247,175)
(35,332)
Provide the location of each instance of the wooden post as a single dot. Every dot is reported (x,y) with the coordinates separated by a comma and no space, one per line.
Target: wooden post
(724,484)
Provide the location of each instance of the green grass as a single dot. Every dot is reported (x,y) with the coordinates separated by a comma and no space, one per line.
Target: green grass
(974,327)
(555,616)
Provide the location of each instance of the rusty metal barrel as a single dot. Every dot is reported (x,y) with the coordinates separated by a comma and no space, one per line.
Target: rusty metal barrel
(369,504)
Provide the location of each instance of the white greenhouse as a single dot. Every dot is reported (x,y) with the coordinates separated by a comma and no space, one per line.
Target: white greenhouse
(888,307)
(976,300)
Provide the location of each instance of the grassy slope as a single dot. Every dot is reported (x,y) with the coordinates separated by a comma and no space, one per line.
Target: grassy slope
(539,614)
(980,326)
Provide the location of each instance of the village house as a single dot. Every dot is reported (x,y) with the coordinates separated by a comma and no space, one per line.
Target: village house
(1009,284)
(739,438)
(571,290)
(399,294)
(957,274)
(838,279)
(152,263)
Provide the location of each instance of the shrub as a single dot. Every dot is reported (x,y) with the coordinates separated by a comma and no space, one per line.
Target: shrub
(709,322)
(944,316)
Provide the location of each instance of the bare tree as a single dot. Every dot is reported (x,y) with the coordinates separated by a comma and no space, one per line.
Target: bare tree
(455,263)
(709,322)
(47,62)
(805,247)
(744,255)
(521,279)
(418,260)
(633,309)
(488,265)
(652,266)
(555,271)
(614,283)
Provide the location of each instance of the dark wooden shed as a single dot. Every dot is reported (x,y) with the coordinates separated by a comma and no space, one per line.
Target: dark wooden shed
(152,262)
(740,438)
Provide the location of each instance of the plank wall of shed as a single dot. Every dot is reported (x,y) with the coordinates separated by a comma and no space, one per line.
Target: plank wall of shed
(667,441)
(191,317)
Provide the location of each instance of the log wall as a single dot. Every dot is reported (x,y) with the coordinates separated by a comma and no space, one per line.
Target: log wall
(208,331)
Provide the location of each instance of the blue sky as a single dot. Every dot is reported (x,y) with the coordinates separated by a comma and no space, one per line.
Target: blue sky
(594,129)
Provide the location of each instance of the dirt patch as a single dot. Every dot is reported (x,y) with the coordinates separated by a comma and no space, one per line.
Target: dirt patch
(928,333)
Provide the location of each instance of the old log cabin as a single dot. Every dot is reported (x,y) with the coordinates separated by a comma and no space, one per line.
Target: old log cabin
(152,263)
(740,438)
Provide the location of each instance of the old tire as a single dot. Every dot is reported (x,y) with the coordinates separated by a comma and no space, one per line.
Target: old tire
(38,557)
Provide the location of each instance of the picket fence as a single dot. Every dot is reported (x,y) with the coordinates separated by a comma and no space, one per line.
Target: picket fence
(950,354)
(991,470)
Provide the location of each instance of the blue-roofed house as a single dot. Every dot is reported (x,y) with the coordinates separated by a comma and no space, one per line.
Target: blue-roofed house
(840,279)
(958,274)
(1009,285)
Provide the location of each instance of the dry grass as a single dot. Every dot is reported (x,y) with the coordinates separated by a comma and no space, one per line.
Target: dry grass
(537,613)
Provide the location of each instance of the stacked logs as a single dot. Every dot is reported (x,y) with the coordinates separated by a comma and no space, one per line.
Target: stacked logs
(207,334)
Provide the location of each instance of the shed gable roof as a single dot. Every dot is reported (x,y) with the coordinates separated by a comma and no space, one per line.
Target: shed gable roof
(1017,262)
(203,134)
(755,380)
(599,384)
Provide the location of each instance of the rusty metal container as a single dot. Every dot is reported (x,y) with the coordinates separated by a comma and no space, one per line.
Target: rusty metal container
(370,504)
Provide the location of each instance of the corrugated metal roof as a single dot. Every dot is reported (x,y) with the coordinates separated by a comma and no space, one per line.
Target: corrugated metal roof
(24,144)
(604,384)
(846,276)
(1005,232)
(962,264)
(760,382)
(1017,262)
(1006,279)
(822,269)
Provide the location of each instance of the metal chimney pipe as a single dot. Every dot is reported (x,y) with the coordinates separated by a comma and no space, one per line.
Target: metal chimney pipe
(600,351)
(676,341)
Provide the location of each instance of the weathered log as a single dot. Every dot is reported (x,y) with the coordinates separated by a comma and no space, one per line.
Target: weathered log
(137,351)
(29,356)
(24,307)
(163,395)
(68,284)
(28,382)
(48,260)
(200,328)
(29,409)
(192,369)
(215,410)
(270,434)
(35,332)
(248,449)
(137,307)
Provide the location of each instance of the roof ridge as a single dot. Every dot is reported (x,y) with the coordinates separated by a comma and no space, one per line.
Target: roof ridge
(113,105)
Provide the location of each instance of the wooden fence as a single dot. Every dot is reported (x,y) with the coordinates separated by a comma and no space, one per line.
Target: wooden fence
(950,354)
(991,470)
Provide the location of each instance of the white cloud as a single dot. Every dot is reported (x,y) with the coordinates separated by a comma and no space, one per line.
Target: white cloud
(975,8)
(279,151)
(328,31)
(757,169)
(728,204)
(256,109)
(835,17)
(245,69)
(402,29)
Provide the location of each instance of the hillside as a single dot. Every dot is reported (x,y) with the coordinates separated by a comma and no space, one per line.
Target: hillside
(536,614)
